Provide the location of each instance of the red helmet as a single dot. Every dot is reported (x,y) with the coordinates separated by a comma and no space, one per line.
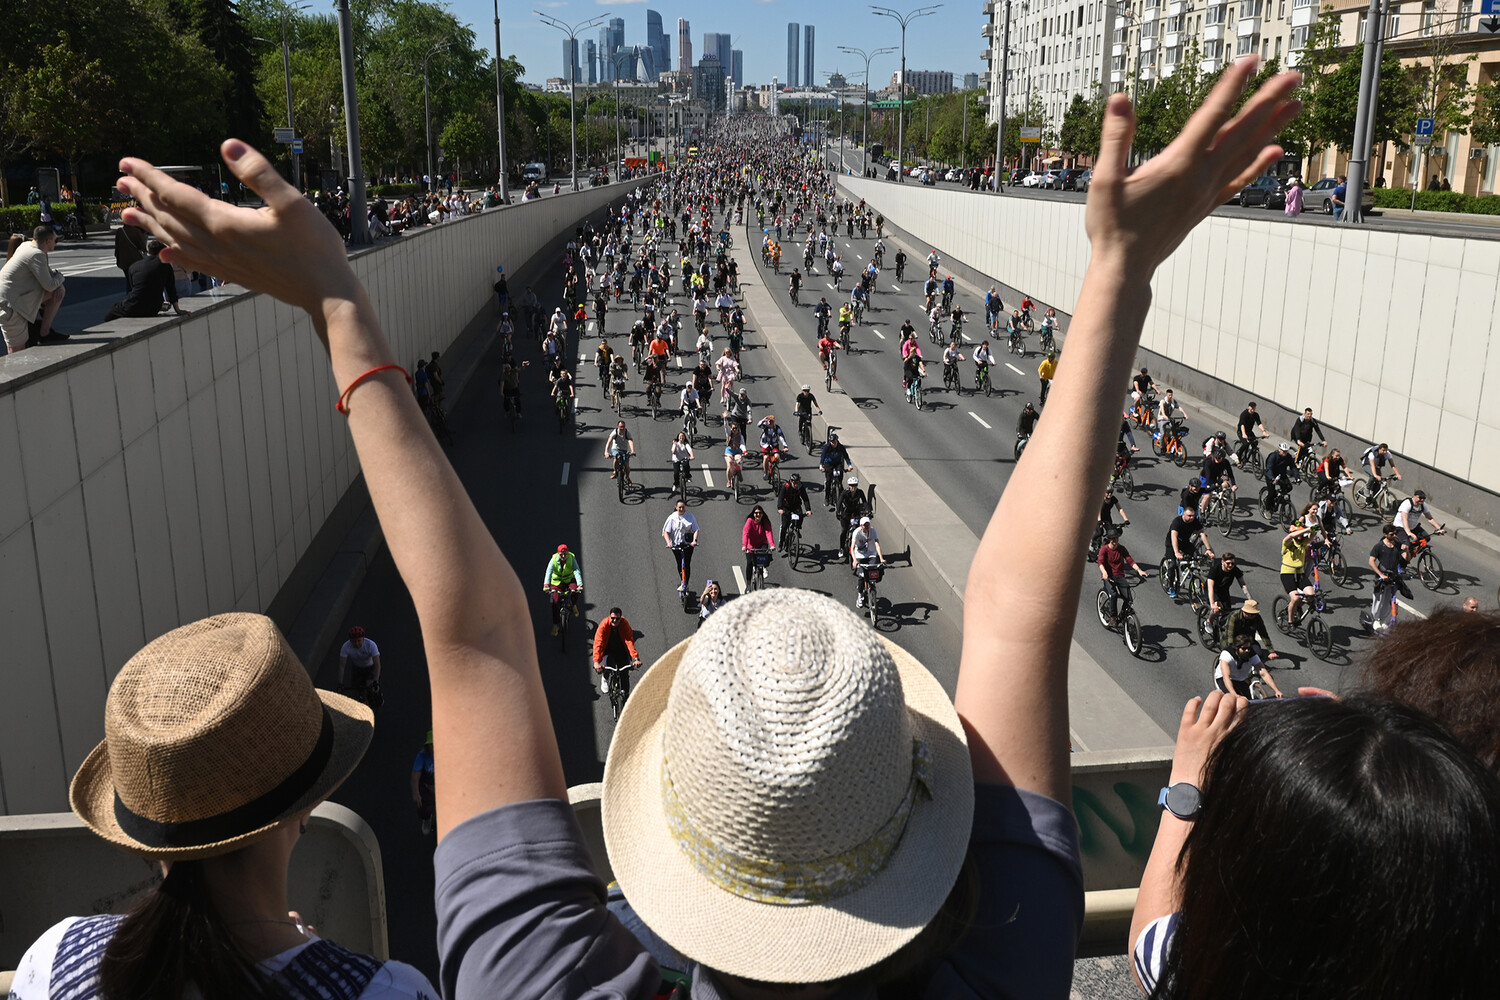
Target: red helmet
(356,632)
(561,549)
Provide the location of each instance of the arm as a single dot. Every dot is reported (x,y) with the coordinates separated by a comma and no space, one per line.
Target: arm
(377,668)
(1013,678)
(489,710)
(344,660)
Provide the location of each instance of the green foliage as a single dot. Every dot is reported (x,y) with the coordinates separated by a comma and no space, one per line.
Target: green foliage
(1330,92)
(1438,201)
(1485,128)
(25,218)
(396,190)
(1083,124)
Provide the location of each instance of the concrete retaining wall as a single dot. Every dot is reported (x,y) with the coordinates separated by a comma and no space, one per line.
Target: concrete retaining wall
(1387,337)
(154,473)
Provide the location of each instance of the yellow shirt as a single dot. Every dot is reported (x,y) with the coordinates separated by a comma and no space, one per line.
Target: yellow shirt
(1294,553)
(1047,368)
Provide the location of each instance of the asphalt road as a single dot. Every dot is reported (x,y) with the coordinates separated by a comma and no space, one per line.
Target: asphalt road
(1388,220)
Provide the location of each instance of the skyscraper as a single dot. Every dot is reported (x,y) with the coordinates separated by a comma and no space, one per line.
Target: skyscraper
(684,46)
(571,70)
(591,56)
(809,74)
(611,41)
(793,53)
(658,43)
(716,44)
(737,66)
(645,63)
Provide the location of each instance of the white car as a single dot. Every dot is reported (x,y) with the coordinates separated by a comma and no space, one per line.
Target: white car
(953,175)
(1032,180)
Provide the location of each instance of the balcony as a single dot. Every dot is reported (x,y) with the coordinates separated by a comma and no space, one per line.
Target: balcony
(1151,14)
(986,55)
(1173,39)
(1146,74)
(1303,16)
(984,78)
(987,9)
(1178,7)
(1210,64)
(1116,77)
(1248,26)
(1213,33)
(1148,45)
(1117,50)
(988,31)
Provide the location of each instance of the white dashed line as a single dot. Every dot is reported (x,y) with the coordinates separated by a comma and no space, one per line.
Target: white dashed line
(566,467)
(878,334)
(739,577)
(708,477)
(1408,607)
(1015,369)
(896,287)
(981,422)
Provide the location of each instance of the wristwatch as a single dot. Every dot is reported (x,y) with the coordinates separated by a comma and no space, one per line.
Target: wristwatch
(1183,800)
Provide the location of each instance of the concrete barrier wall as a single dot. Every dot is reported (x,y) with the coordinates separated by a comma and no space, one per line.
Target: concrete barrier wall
(159,472)
(1387,337)
(52,866)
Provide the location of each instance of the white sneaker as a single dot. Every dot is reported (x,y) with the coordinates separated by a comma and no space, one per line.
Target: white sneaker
(860,601)
(604,685)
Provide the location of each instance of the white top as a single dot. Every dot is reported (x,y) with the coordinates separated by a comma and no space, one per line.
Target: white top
(33,979)
(364,656)
(681,451)
(1238,672)
(863,542)
(1410,513)
(678,524)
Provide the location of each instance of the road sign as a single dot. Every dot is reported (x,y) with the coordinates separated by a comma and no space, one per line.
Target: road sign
(286,134)
(1032,133)
(1424,126)
(1492,25)
(296,145)
(1489,6)
(1422,140)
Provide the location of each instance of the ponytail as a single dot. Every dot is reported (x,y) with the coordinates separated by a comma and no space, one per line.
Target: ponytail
(177,937)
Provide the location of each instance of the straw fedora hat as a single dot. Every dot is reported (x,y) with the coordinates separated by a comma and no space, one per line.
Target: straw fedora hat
(213,734)
(788,796)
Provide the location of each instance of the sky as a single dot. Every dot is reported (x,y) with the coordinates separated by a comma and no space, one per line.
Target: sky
(946,40)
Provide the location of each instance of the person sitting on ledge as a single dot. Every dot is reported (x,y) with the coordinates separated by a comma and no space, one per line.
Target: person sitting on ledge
(152,287)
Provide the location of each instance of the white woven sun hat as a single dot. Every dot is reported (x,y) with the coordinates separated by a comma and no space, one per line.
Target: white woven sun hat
(788,796)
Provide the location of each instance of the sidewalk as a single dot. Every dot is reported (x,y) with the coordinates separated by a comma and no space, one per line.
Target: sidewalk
(941,546)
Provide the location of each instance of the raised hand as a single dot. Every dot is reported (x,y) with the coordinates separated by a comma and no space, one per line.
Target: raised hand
(287,248)
(1136,219)
(1199,732)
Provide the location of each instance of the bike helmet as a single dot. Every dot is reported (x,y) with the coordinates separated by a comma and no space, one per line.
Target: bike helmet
(1221,435)
(1284,446)
(1112,535)
(562,550)
(356,632)
(806,388)
(796,477)
(1051,355)
(1029,406)
(853,481)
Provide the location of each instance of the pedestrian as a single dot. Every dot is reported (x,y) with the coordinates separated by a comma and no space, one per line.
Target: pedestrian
(424,786)
(31,292)
(1340,194)
(217,749)
(1294,197)
(152,282)
(130,246)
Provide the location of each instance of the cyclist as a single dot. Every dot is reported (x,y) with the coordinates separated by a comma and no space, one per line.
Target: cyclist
(1106,522)
(864,551)
(850,505)
(951,357)
(756,534)
(1234,666)
(558,325)
(1217,467)
(510,383)
(1281,470)
(1388,560)
(1046,371)
(1375,458)
(1026,422)
(822,311)
(1180,536)
(772,442)
(932,263)
(935,321)
(795,284)
(365,656)
(1409,519)
(957,316)
(983,358)
(992,307)
(423,785)
(1192,495)
(703,380)
(1049,329)
(948,289)
(805,404)
(1026,307)
(1247,622)
(900,264)
(837,270)
(1169,415)
(565,575)
(728,372)
(655,376)
(929,292)
(622,446)
(724,303)
(1294,546)
(691,402)
(435,373)
(792,499)
(913,370)
(1249,429)
(1222,575)
(1143,388)
(680,532)
(562,388)
(421,384)
(1016,329)
(1112,560)
(1304,429)
(833,460)
(737,412)
(614,646)
(604,355)
(638,339)
(1331,472)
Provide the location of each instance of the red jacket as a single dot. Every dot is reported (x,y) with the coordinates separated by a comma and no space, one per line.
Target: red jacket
(601,638)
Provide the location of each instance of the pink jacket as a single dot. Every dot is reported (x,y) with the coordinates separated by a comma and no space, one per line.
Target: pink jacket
(757,536)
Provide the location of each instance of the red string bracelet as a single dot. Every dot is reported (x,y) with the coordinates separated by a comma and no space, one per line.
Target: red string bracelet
(355,384)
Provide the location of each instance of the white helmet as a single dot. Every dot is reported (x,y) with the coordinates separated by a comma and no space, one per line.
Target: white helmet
(853,480)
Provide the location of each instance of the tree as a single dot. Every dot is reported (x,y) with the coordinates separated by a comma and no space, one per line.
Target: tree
(1485,129)
(1330,92)
(64,103)
(223,33)
(1083,124)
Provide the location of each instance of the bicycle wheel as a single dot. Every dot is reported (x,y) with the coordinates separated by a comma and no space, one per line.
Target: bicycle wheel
(1103,607)
(1278,615)
(1430,569)
(1360,493)
(1179,452)
(682,485)
(794,547)
(1267,509)
(620,482)
(1126,481)
(1225,516)
(1132,630)
(1260,690)
(1208,631)
(1164,576)
(1158,447)
(1020,447)
(1318,636)
(618,692)
(737,478)
(871,600)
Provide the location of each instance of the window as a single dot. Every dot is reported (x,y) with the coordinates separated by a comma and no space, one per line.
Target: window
(1282,13)
(1299,37)
(1359,35)
(1174,55)
(1278,48)
(1393,21)
(1429,17)
(1214,15)
(1296,4)
(1265,48)
(1248,44)
(1213,50)
(1231,15)
(1465,15)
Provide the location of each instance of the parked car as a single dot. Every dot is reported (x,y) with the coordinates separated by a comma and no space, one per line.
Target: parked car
(1018,176)
(954,175)
(1033,179)
(1266,192)
(1069,179)
(1319,197)
(1082,181)
(1051,179)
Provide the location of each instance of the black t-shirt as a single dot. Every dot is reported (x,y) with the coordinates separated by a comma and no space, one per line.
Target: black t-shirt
(1223,579)
(1105,509)
(793,498)
(150,279)
(1027,422)
(1142,383)
(1189,497)
(1185,533)
(1248,422)
(805,401)
(1387,557)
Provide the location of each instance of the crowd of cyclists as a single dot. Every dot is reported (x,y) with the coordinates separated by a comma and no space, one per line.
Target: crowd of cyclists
(664,260)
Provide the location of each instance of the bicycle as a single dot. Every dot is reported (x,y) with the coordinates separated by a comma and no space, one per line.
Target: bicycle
(682,475)
(1249,455)
(1367,619)
(914,392)
(736,475)
(563,406)
(1316,635)
(869,573)
(950,377)
(791,541)
(653,397)
(859,311)
(982,379)
(690,424)
(621,471)
(1049,343)
(438,423)
(830,371)
(1017,344)
(760,559)
(364,689)
(1276,505)
(1210,629)
(1190,580)
(1307,460)
(804,430)
(772,457)
(844,340)
(1426,564)
(1021,441)
(1381,499)
(795,302)
(1144,412)
(1122,480)
(512,409)
(1167,443)
(562,614)
(618,679)
(1125,621)
(617,394)
(1219,511)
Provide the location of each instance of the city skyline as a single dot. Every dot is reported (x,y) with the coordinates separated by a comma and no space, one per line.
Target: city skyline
(949,39)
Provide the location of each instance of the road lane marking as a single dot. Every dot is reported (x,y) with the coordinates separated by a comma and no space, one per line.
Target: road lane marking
(967,337)
(1408,607)
(981,422)
(566,467)
(708,477)
(679,361)
(878,334)
(895,286)
(739,578)
(1015,369)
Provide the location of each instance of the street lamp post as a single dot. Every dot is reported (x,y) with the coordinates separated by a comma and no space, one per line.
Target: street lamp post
(286,68)
(903,20)
(865,136)
(427,109)
(1004,84)
(359,224)
(500,111)
(570,32)
(619,155)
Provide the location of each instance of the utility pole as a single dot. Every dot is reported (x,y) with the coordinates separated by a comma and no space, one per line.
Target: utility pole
(427,108)
(1364,117)
(359,225)
(570,32)
(903,20)
(1004,83)
(500,111)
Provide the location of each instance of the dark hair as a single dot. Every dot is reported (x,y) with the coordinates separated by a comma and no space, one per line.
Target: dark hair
(616,611)
(176,937)
(42,232)
(1449,667)
(1345,849)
